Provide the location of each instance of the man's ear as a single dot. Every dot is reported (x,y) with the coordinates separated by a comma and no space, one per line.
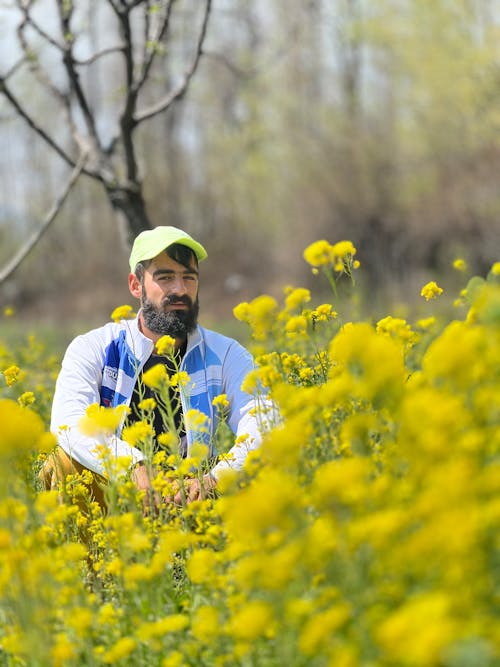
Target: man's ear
(134,285)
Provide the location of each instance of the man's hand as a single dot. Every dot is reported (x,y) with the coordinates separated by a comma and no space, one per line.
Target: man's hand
(195,489)
(141,477)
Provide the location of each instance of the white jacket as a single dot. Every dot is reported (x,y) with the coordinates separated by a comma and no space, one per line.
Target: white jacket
(102,366)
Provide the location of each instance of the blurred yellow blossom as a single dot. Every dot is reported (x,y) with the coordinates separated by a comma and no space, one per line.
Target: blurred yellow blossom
(120,650)
(196,420)
(323,312)
(343,249)
(296,325)
(99,419)
(122,313)
(431,290)
(201,566)
(155,377)
(21,429)
(179,379)
(27,398)
(168,440)
(63,650)
(137,433)
(165,345)
(11,375)
(221,402)
(426,323)
(147,404)
(297,298)
(319,253)
(251,621)
(460,264)
(8,311)
(205,623)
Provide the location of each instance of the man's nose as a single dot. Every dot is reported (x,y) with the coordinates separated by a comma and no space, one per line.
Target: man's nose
(178,285)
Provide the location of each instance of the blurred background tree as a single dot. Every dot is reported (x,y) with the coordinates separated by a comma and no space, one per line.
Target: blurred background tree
(372,121)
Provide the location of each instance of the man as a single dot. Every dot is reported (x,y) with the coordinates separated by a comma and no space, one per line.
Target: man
(105,366)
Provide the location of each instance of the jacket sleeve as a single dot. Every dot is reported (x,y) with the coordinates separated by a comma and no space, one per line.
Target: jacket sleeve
(249,416)
(77,387)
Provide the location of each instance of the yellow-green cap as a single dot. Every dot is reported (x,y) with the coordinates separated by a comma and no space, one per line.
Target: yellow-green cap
(152,242)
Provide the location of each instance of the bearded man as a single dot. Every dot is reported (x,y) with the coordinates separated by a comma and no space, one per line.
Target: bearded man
(105,367)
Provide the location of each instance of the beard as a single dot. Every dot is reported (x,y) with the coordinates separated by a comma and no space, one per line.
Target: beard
(175,323)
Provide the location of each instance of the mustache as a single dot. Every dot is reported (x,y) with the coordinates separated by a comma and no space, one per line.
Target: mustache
(173,299)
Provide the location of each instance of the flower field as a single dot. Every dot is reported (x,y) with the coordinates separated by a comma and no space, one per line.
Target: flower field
(364,532)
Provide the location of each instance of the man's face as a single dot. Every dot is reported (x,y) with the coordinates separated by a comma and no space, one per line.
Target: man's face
(169,298)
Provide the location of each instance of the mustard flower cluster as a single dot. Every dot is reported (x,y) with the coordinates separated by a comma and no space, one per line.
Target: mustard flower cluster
(363,533)
(431,290)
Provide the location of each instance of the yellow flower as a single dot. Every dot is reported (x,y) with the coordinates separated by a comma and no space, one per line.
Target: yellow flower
(460,264)
(426,323)
(422,627)
(321,627)
(28,398)
(398,329)
(196,420)
(11,375)
(155,377)
(319,253)
(8,311)
(80,620)
(322,253)
(495,269)
(323,313)
(343,249)
(120,650)
(99,419)
(21,429)
(220,402)
(242,311)
(63,650)
(296,325)
(179,379)
(122,313)
(158,628)
(147,404)
(201,567)
(107,614)
(165,345)
(173,659)
(168,440)
(138,432)
(431,291)
(297,298)
(253,620)
(205,623)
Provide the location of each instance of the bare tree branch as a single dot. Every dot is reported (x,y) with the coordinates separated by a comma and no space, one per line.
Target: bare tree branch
(15,67)
(37,70)
(19,257)
(127,116)
(160,33)
(5,90)
(177,93)
(65,14)
(98,55)
(28,20)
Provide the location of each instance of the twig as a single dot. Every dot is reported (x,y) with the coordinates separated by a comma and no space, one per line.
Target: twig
(18,258)
(32,123)
(162,105)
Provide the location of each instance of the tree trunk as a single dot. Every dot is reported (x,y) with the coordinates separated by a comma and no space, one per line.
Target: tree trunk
(129,207)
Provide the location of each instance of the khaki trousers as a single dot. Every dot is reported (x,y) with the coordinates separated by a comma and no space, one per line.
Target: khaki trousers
(58,466)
